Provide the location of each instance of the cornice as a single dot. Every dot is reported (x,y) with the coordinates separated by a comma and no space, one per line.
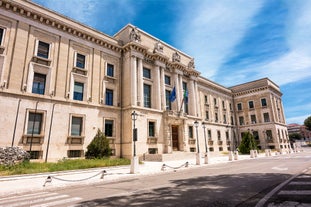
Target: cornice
(56,24)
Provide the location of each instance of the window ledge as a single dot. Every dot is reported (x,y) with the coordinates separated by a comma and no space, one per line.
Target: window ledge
(80,71)
(41,60)
(75,140)
(152,140)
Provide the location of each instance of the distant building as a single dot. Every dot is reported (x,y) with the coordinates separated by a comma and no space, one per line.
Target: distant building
(299,129)
(60,81)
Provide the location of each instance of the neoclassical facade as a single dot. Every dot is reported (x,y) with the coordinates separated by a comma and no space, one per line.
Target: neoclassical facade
(61,81)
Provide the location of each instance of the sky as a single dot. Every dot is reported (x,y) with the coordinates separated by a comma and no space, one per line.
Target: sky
(232,42)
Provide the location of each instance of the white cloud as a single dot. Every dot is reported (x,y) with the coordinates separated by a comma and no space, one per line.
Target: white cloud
(209,30)
(296,119)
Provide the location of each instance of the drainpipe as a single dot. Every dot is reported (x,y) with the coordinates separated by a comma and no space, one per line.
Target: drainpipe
(19,102)
(49,137)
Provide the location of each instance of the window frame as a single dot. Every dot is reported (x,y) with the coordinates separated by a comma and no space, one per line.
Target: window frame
(147,96)
(190,132)
(251,104)
(82,126)
(265,101)
(109,97)
(38,49)
(76,63)
(112,123)
(167,80)
(147,73)
(110,70)
(239,106)
(38,88)
(2,36)
(151,128)
(264,118)
(41,126)
(75,93)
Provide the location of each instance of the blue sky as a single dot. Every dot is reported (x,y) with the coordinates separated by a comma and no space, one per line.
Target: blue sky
(232,41)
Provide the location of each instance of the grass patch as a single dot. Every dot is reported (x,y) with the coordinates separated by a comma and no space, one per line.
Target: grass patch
(33,167)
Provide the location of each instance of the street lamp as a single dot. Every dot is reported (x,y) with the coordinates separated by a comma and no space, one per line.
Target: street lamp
(206,159)
(134,160)
(198,157)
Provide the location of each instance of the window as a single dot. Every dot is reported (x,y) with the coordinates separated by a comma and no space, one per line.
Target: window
(1,35)
(227,135)
(206,115)
(147,96)
(34,123)
(218,135)
(256,135)
(232,122)
(110,70)
(76,126)
(109,97)
(167,98)
(190,128)
(223,105)
(43,50)
(78,91)
(152,150)
(266,117)
(80,61)
(263,102)
(109,128)
(215,101)
(38,85)
(151,129)
(225,119)
(167,80)
(209,134)
(35,154)
(216,117)
(74,153)
(185,96)
(253,119)
(241,120)
(239,105)
(251,104)
(269,135)
(146,73)
(206,99)
(230,106)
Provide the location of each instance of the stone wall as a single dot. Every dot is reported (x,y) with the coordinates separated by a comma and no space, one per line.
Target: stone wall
(12,155)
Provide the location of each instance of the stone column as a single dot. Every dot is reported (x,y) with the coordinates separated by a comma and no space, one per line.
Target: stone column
(134,81)
(157,88)
(181,92)
(163,99)
(192,98)
(176,84)
(140,83)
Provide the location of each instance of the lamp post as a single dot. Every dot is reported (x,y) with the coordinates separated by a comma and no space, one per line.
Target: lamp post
(134,160)
(206,157)
(198,156)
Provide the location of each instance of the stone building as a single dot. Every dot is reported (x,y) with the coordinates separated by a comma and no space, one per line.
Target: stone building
(61,80)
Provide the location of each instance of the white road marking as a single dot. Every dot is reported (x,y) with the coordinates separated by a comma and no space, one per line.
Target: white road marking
(30,202)
(295,192)
(279,168)
(58,202)
(299,183)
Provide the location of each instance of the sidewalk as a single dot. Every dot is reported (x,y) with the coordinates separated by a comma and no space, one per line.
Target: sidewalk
(10,185)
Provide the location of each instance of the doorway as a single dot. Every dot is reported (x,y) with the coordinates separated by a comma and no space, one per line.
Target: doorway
(175,138)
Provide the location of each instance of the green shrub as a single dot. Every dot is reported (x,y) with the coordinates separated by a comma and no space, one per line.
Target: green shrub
(248,143)
(99,147)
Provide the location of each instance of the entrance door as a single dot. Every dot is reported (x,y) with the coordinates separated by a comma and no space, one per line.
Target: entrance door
(175,138)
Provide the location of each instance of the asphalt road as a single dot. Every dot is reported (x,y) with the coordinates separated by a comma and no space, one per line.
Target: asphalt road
(238,183)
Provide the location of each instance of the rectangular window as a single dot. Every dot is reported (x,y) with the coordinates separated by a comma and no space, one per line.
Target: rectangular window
(109,97)
(206,99)
(80,61)
(43,50)
(253,119)
(1,35)
(190,128)
(209,134)
(146,73)
(34,123)
(215,101)
(241,120)
(266,117)
(109,128)
(74,153)
(223,105)
(239,105)
(147,96)
(110,70)
(78,91)
(216,117)
(206,115)
(263,102)
(76,126)
(38,84)
(167,80)
(269,134)
(218,135)
(151,129)
(227,135)
(225,119)
(230,106)
(232,122)
(185,96)
(167,98)
(256,135)
(251,104)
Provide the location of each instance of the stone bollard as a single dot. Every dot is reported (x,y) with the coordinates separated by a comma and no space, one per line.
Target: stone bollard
(252,153)
(230,155)
(267,152)
(255,153)
(236,155)
(206,158)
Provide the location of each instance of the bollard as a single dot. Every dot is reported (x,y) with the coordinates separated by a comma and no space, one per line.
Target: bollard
(103,174)
(230,155)
(187,164)
(47,180)
(252,153)
(206,158)
(163,168)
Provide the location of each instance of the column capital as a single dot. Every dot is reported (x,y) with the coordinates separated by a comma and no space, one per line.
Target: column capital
(159,63)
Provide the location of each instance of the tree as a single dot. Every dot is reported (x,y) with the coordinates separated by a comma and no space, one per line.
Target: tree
(295,136)
(307,123)
(99,147)
(248,143)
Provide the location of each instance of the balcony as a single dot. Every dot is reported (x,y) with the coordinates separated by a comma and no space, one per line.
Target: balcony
(152,140)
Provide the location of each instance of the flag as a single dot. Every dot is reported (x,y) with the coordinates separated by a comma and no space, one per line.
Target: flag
(173,95)
(186,96)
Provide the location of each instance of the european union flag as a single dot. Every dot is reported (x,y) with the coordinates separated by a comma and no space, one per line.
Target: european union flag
(173,95)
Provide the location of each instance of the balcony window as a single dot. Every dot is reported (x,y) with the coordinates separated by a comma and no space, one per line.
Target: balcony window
(266,117)
(241,120)
(167,98)
(110,70)
(80,61)
(218,135)
(34,123)
(206,115)
(76,126)
(109,97)
(209,134)
(38,84)
(190,128)
(239,105)
(43,50)
(78,91)
(147,96)
(253,119)
(251,104)
(151,129)
(263,102)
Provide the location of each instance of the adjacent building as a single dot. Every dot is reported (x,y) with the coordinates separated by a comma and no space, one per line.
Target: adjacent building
(61,81)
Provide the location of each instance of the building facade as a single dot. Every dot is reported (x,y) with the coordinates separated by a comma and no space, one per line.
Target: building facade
(61,81)
(299,129)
